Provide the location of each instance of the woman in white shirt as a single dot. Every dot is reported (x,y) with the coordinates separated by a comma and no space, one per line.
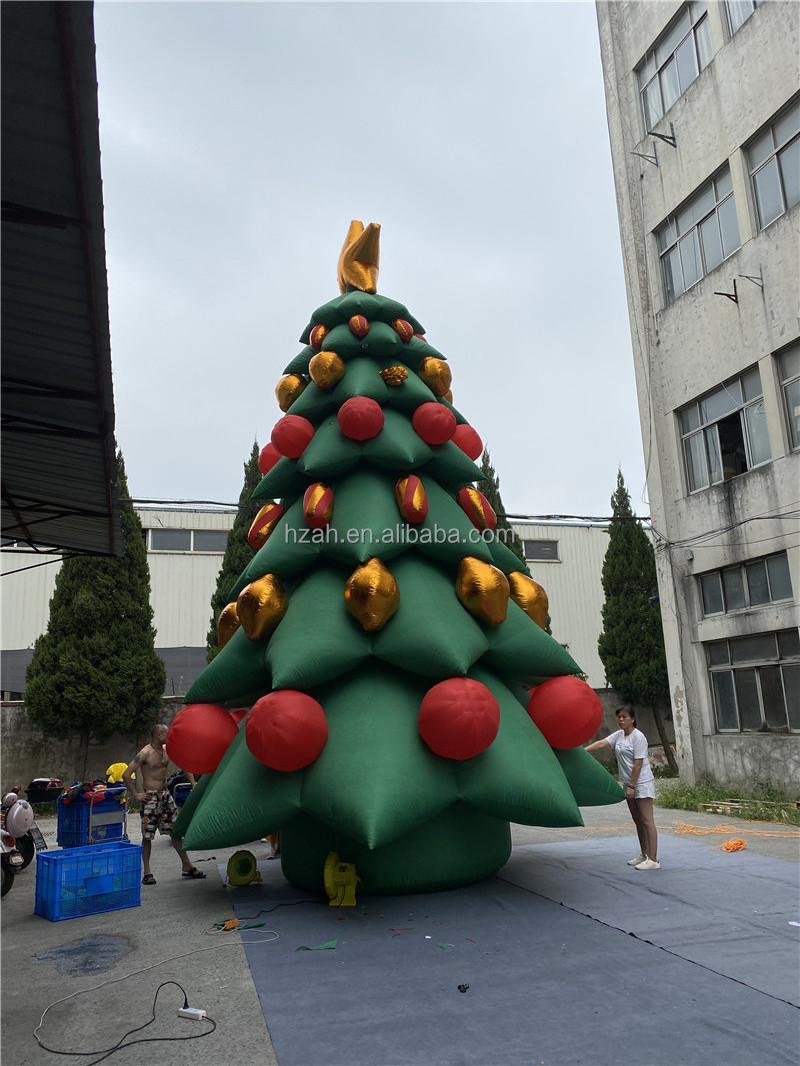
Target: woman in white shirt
(636,777)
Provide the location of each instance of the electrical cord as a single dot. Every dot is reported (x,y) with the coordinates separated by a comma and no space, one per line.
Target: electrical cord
(107,1052)
(135,973)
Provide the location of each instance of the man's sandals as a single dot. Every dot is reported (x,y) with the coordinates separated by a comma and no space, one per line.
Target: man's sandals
(194,873)
(148,879)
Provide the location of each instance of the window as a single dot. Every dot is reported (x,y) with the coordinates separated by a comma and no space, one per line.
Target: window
(545,551)
(186,540)
(789,372)
(725,433)
(698,237)
(774,158)
(674,62)
(739,11)
(170,540)
(747,585)
(210,540)
(756,682)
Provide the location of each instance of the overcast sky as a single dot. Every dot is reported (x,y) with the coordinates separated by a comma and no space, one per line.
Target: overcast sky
(239,140)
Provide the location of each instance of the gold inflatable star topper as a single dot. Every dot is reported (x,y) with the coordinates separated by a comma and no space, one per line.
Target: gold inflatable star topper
(358,261)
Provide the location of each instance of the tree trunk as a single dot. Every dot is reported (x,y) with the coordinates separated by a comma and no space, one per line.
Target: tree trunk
(662,733)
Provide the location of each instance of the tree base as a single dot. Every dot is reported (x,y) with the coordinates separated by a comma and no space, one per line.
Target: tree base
(457,847)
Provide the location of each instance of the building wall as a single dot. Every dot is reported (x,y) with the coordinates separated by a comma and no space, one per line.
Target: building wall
(573,587)
(685,348)
(181,586)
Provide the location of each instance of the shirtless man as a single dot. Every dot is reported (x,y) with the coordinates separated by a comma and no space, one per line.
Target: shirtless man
(159,810)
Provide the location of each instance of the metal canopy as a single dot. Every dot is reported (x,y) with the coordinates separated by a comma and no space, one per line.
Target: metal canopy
(58,457)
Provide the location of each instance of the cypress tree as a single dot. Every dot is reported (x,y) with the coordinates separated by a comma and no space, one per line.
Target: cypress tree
(631,646)
(95,671)
(238,552)
(489,485)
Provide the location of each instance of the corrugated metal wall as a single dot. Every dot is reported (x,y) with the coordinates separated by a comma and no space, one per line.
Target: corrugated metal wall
(573,588)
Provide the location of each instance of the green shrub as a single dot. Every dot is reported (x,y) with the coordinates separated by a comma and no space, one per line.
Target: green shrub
(757,801)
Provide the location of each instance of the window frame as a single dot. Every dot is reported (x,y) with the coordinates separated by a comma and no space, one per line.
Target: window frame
(788,378)
(744,568)
(750,670)
(541,559)
(777,153)
(191,550)
(697,16)
(693,425)
(753,5)
(674,236)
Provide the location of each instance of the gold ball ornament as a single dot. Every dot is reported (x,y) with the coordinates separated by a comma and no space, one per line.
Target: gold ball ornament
(483,590)
(530,596)
(371,595)
(436,374)
(261,605)
(326,369)
(227,624)
(448,396)
(394,375)
(288,389)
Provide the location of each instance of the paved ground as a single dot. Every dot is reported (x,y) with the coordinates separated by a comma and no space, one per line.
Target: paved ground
(95,978)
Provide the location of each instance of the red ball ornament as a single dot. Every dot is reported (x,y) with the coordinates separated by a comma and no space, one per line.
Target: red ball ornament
(421,337)
(458,718)
(566,710)
(199,736)
(468,441)
(268,457)
(359,325)
(291,435)
(286,730)
(434,422)
(317,336)
(403,329)
(360,418)
(239,714)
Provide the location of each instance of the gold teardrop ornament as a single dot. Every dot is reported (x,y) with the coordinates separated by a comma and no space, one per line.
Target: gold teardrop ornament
(261,605)
(326,369)
(530,596)
(436,374)
(371,595)
(288,389)
(227,624)
(394,375)
(483,590)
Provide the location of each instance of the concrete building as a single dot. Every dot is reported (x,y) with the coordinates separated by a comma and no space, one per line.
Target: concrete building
(703,110)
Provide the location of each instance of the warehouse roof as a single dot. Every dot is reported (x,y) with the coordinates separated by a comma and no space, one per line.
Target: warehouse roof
(58,450)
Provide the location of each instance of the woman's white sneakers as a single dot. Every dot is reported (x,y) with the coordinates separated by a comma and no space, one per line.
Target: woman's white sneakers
(648,864)
(637,860)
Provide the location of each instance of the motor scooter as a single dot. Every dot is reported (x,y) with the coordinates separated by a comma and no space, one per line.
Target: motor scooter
(16,819)
(28,840)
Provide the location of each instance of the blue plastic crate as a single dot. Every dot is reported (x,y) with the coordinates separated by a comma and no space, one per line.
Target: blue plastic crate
(74,816)
(90,880)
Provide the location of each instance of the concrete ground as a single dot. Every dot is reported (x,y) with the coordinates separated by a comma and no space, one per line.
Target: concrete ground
(92,979)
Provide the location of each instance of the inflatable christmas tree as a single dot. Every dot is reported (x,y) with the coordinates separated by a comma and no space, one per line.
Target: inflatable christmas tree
(385,690)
